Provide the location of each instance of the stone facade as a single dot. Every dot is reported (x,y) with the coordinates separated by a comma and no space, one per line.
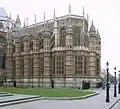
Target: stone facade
(63,50)
(3,34)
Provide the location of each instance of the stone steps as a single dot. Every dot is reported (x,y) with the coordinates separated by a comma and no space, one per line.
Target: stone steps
(4,95)
(3,92)
(18,101)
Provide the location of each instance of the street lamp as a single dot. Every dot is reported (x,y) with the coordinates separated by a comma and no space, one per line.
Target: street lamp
(119,83)
(107,84)
(115,91)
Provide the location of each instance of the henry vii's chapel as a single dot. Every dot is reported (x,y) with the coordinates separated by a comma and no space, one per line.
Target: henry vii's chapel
(63,50)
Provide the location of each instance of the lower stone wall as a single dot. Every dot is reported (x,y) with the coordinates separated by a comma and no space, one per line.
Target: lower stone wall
(57,82)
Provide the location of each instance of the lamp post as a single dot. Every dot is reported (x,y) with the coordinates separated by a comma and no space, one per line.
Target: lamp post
(107,84)
(115,91)
(119,83)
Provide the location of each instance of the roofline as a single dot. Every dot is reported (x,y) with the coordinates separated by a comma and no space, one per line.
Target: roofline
(58,18)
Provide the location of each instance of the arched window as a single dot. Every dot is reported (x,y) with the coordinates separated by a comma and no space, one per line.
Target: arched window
(52,41)
(86,42)
(1,26)
(41,45)
(62,37)
(31,45)
(76,35)
(1,61)
(78,64)
(22,46)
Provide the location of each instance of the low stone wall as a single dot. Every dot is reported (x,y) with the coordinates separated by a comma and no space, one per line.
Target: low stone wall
(55,83)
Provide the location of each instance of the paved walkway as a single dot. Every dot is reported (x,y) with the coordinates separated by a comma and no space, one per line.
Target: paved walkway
(95,102)
(117,106)
(16,96)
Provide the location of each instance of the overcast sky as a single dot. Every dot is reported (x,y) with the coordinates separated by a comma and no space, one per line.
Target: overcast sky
(105,14)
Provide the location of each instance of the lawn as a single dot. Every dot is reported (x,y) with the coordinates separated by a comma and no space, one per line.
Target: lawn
(47,92)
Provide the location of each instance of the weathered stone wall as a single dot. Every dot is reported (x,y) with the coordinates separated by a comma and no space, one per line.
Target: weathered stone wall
(34,64)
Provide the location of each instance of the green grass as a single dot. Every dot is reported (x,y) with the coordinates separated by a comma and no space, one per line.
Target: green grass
(46,92)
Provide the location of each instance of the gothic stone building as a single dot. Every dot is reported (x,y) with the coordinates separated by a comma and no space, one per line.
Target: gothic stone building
(3,33)
(63,50)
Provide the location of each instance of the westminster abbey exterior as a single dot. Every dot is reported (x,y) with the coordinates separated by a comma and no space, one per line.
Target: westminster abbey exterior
(63,51)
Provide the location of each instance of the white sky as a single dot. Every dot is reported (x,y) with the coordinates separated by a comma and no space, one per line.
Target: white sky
(105,14)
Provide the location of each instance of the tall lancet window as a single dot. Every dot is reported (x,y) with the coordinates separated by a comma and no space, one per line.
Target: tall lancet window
(52,41)
(76,35)
(86,38)
(62,36)
(41,41)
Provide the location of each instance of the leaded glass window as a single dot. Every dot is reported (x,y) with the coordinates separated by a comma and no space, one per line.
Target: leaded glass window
(62,37)
(76,36)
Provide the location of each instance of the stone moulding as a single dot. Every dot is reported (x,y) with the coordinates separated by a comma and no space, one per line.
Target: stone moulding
(71,98)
